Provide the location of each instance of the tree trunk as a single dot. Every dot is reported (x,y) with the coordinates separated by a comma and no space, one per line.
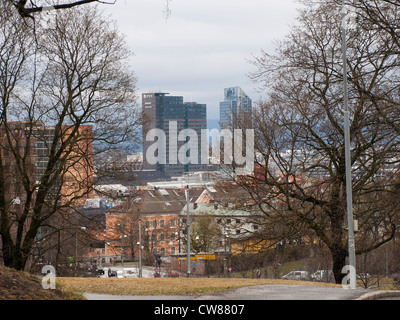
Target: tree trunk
(13,257)
(339,260)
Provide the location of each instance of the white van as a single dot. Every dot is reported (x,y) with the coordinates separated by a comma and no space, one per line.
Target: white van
(296,275)
(322,275)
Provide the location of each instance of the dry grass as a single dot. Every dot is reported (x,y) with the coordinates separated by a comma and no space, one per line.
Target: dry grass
(167,286)
(17,285)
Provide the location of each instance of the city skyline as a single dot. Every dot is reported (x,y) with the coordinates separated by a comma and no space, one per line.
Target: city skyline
(213,121)
(202,47)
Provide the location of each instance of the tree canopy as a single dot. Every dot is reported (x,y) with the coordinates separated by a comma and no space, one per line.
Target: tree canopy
(67,95)
(299,181)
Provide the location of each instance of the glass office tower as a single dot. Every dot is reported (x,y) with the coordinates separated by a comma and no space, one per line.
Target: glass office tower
(159,111)
(236,104)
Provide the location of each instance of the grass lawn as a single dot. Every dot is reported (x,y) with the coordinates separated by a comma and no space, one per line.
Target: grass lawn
(17,285)
(167,286)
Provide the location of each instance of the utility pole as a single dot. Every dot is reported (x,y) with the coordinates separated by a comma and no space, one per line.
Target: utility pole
(140,247)
(349,192)
(188,229)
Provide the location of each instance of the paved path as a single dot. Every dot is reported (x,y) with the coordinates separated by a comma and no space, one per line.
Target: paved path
(289,292)
(262,292)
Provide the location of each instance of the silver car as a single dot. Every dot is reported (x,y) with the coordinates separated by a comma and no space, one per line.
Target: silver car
(296,275)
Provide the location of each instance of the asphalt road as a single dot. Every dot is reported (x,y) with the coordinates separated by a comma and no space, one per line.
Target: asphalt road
(262,292)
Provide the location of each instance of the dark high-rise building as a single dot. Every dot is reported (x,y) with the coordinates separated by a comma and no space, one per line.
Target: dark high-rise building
(171,115)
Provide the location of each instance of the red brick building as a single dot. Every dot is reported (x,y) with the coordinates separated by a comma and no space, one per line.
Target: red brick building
(25,148)
(158,211)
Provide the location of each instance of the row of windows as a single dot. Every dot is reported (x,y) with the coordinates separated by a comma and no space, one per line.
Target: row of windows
(161,223)
(160,238)
(163,251)
(219,221)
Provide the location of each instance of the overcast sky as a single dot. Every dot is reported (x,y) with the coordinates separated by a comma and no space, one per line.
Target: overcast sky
(203,46)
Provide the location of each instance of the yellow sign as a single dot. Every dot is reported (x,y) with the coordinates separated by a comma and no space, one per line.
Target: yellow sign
(200,257)
(205,256)
(185,258)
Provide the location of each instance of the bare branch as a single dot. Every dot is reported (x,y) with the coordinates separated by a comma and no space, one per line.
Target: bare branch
(26,12)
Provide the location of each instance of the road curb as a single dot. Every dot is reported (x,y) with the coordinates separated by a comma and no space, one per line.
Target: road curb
(380,294)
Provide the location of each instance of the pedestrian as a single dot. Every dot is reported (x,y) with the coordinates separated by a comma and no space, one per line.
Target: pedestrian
(258,274)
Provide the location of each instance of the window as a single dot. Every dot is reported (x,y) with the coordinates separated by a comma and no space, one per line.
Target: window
(172,237)
(172,222)
(162,251)
(162,237)
(154,224)
(147,224)
(161,223)
(173,250)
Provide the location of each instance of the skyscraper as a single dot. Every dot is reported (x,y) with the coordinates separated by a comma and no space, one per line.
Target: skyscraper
(168,113)
(236,104)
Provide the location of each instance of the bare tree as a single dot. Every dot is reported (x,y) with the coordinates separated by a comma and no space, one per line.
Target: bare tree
(35,6)
(205,234)
(383,17)
(299,181)
(38,6)
(67,94)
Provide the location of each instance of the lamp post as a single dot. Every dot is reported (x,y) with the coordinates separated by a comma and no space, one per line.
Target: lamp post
(188,229)
(349,196)
(76,248)
(140,247)
(225,259)
(122,248)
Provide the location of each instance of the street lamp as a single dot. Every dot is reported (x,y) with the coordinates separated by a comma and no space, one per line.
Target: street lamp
(225,264)
(188,227)
(76,247)
(140,247)
(349,195)
(122,248)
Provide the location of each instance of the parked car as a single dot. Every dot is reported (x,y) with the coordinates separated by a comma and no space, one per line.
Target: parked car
(322,275)
(296,275)
(396,277)
(99,270)
(173,274)
(363,275)
(112,272)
